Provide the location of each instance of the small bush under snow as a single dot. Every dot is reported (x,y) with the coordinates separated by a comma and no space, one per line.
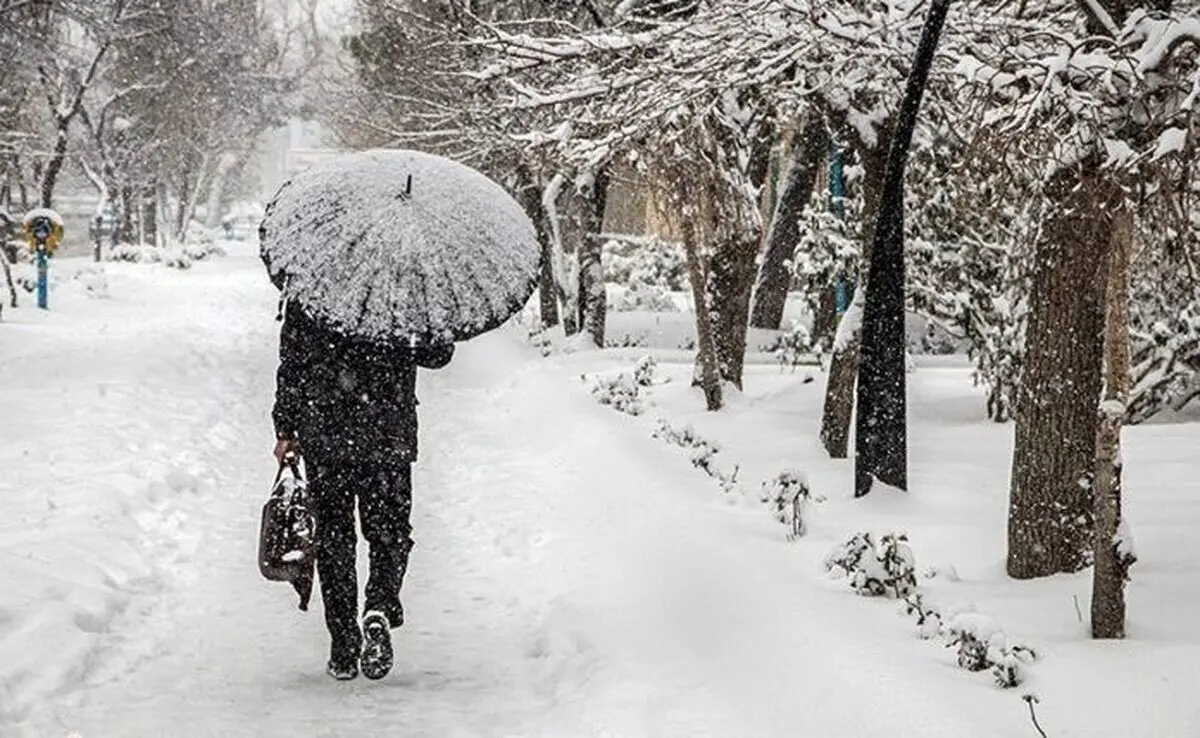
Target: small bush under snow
(789,496)
(703,452)
(979,641)
(624,392)
(887,569)
(792,348)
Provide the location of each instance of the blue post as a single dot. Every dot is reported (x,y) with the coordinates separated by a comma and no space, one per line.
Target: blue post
(42,286)
(837,181)
(837,203)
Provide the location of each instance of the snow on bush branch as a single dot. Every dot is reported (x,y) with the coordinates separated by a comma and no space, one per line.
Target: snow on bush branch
(886,569)
(789,497)
(624,392)
(703,452)
(979,641)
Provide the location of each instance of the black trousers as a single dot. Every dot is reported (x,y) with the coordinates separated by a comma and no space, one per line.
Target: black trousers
(383,488)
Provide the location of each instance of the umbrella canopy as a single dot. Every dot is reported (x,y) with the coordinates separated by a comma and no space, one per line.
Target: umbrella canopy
(396,245)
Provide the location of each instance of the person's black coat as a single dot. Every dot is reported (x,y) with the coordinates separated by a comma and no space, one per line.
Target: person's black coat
(344,397)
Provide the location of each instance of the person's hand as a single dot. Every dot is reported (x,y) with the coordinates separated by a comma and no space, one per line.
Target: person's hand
(285,446)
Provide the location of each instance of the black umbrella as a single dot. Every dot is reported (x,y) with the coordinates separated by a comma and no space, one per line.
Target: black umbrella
(400,245)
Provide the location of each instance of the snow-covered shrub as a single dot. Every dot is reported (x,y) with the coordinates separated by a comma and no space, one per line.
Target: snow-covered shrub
(647,261)
(620,392)
(644,371)
(981,644)
(642,296)
(788,496)
(703,452)
(979,641)
(929,620)
(886,569)
(624,392)
(540,339)
(200,250)
(146,254)
(793,347)
(627,340)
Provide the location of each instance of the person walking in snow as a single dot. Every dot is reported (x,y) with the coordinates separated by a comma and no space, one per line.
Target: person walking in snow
(349,406)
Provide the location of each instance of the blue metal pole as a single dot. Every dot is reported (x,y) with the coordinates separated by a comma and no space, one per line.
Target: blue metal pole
(837,203)
(42,286)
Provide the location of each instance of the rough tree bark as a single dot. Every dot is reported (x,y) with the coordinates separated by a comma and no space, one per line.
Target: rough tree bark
(529,194)
(775,273)
(593,302)
(732,268)
(843,361)
(1113,547)
(1050,514)
(707,360)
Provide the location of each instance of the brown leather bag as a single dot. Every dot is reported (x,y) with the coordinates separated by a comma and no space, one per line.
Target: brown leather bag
(287,534)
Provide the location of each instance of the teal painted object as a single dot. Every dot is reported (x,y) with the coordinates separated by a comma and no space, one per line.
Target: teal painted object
(837,181)
(43,290)
(841,295)
(837,204)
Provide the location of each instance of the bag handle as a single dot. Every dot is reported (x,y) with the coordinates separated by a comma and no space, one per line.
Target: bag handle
(289,461)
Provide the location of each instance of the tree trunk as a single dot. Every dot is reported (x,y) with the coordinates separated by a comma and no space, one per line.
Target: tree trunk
(775,274)
(707,362)
(125,230)
(732,266)
(55,165)
(1050,515)
(147,218)
(881,433)
(530,195)
(843,362)
(593,301)
(1113,547)
(730,279)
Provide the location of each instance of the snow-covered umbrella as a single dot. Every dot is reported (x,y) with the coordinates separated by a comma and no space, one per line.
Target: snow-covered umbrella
(395,245)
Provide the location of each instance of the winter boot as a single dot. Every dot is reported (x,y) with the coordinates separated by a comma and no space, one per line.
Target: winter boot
(343,663)
(377,645)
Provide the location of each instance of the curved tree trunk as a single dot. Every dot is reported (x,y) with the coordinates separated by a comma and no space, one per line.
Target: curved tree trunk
(843,362)
(530,196)
(775,273)
(1050,514)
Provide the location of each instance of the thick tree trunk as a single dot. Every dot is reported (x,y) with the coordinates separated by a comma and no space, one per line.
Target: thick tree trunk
(530,195)
(775,273)
(730,279)
(732,266)
(1050,516)
(843,362)
(125,231)
(593,301)
(1113,548)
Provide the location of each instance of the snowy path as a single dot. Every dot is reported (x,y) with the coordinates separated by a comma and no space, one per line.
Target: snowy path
(569,578)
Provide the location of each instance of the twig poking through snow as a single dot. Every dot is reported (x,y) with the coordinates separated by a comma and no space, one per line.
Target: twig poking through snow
(1030,700)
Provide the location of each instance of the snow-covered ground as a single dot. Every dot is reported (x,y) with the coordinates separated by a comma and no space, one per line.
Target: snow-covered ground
(573,576)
